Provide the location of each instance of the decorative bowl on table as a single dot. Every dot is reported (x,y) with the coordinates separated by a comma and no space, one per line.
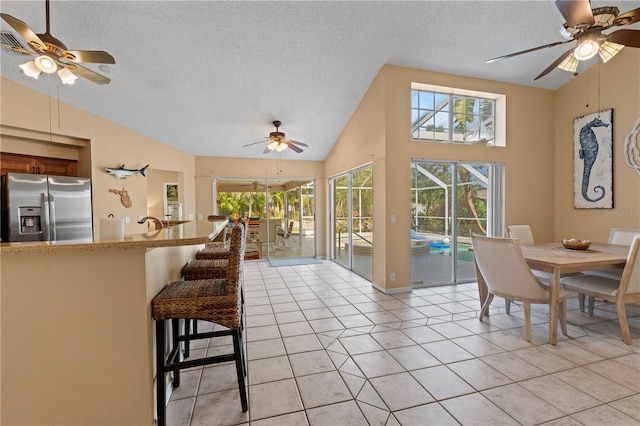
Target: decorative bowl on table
(574,244)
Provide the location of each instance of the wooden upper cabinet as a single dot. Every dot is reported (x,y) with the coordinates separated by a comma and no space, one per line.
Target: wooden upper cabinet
(18,163)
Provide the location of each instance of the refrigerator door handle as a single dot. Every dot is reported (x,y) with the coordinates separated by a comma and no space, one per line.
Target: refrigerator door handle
(47,216)
(52,216)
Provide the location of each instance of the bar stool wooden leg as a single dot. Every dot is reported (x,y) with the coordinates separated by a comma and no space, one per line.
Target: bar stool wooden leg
(161,373)
(175,350)
(240,367)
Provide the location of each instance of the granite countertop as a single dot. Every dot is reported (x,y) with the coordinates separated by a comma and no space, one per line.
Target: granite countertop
(177,235)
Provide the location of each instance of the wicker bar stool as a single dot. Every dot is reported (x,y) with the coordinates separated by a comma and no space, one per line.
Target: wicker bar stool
(204,269)
(214,300)
(218,249)
(213,251)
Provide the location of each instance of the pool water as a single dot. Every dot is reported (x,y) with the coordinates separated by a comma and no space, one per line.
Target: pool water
(464,252)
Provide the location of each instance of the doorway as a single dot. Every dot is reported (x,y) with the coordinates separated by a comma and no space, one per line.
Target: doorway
(352,224)
(280,214)
(451,201)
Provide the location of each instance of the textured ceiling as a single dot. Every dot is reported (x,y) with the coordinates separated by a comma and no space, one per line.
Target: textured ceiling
(209,77)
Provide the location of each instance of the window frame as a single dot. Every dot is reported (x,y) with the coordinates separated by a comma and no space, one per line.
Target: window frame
(499,113)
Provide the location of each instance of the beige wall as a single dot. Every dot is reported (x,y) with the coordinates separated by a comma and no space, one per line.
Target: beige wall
(111,145)
(206,168)
(362,142)
(386,135)
(614,85)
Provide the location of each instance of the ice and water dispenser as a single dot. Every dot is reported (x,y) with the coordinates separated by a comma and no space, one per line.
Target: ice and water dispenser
(30,220)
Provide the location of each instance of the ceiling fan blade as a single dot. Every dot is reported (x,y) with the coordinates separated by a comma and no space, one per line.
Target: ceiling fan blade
(266,151)
(92,56)
(17,49)
(511,55)
(576,12)
(22,29)
(629,38)
(255,143)
(628,18)
(554,64)
(298,143)
(293,147)
(87,73)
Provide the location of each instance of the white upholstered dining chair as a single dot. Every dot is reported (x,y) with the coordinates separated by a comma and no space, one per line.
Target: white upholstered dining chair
(622,291)
(619,236)
(525,235)
(622,236)
(521,232)
(507,275)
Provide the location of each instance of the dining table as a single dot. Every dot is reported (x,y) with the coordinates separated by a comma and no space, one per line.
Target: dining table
(555,259)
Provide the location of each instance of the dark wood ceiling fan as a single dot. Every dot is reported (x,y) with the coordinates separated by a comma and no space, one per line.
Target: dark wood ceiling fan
(585,26)
(278,142)
(52,54)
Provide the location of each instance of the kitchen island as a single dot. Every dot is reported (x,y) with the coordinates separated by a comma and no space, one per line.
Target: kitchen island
(76,331)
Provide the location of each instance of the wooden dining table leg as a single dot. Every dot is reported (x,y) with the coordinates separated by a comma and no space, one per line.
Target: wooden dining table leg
(483,291)
(554,293)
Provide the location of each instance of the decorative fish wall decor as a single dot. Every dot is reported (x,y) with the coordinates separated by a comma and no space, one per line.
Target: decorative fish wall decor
(122,173)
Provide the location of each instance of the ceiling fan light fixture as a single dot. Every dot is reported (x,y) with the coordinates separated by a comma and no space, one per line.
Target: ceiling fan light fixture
(281,147)
(30,69)
(587,49)
(608,50)
(46,64)
(66,76)
(273,145)
(569,64)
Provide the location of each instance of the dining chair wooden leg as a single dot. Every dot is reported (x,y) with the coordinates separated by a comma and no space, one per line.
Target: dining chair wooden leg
(483,290)
(527,321)
(581,301)
(562,315)
(507,306)
(624,325)
(591,302)
(485,307)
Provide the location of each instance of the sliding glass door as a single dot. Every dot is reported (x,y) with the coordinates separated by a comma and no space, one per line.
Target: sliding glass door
(451,201)
(352,224)
(281,214)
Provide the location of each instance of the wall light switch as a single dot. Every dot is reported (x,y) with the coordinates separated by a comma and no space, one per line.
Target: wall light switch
(190,216)
(199,216)
(392,276)
(127,219)
(393,218)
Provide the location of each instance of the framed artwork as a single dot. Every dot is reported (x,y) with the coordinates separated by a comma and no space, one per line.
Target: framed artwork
(170,195)
(593,161)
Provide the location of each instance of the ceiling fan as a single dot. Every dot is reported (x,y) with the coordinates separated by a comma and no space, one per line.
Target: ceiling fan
(278,142)
(53,56)
(585,25)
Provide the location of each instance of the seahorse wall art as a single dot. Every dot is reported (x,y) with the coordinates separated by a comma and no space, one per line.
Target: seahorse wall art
(589,153)
(593,164)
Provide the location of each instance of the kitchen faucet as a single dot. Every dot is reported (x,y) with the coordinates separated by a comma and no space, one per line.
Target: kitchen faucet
(154,219)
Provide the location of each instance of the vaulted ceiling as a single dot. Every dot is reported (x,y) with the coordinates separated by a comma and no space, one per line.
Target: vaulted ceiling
(211,76)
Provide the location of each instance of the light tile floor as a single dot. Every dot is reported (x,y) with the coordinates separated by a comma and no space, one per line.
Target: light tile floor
(325,348)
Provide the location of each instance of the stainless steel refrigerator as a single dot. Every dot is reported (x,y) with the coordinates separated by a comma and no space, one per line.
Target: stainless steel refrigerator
(46,208)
